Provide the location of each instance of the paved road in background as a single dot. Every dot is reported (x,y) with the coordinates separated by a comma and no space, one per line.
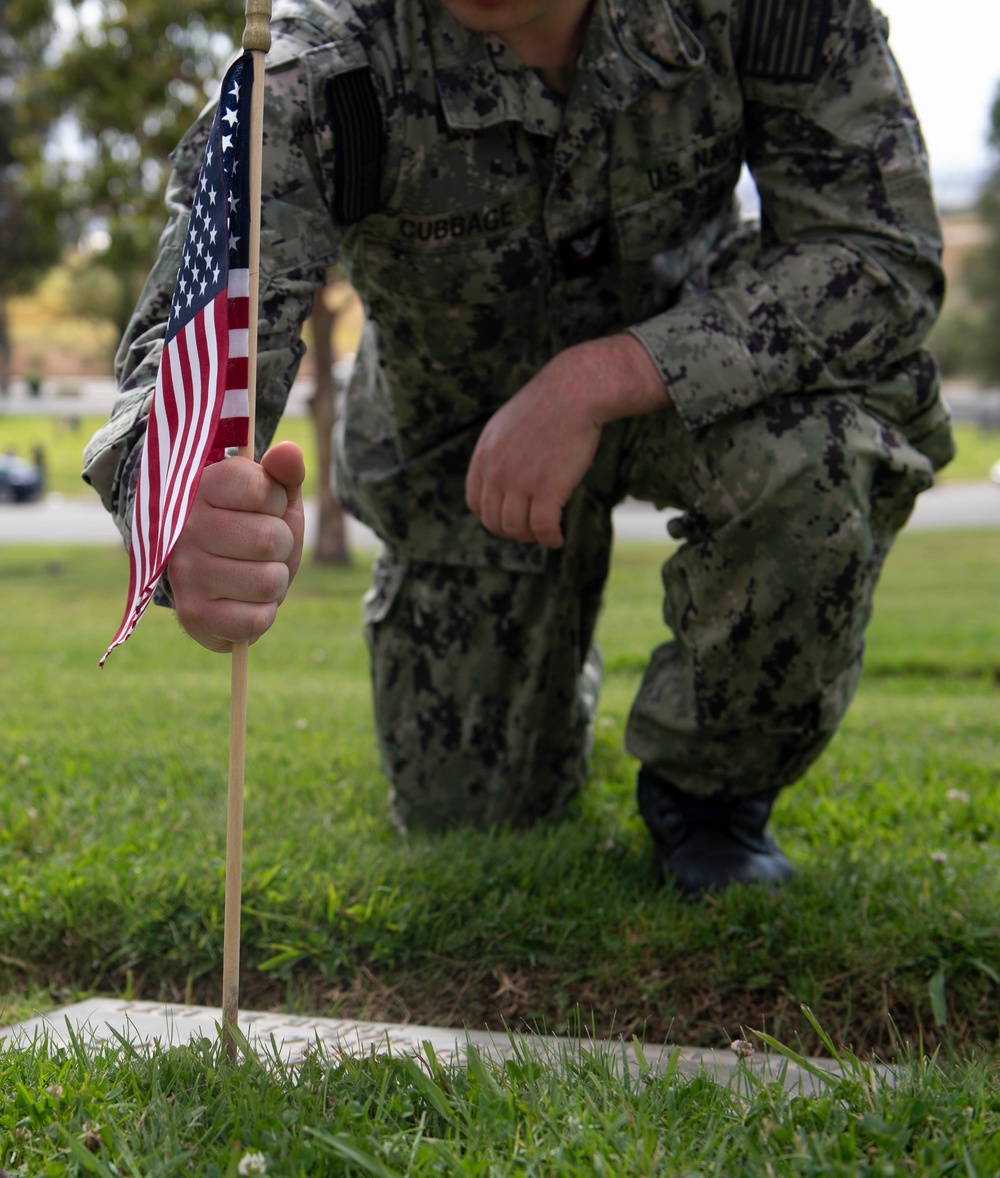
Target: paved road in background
(61,520)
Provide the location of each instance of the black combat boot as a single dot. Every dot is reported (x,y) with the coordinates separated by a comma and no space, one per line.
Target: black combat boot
(705,844)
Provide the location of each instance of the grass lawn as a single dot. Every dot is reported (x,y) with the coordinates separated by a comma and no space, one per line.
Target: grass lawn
(112,831)
(112,814)
(183,1112)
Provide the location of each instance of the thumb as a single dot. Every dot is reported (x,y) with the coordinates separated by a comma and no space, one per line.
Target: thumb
(284,463)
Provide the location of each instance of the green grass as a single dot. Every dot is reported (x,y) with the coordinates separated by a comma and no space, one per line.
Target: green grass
(185,1111)
(63,439)
(978,450)
(112,818)
(112,828)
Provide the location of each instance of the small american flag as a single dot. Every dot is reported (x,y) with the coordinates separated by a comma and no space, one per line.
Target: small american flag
(201,403)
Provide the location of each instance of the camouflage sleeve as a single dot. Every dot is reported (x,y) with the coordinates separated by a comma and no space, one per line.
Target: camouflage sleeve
(298,244)
(848,279)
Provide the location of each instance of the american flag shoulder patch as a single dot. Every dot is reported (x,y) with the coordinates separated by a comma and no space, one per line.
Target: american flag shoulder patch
(783,39)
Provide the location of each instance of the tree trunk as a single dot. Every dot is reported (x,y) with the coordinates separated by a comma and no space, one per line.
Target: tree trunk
(4,347)
(331,535)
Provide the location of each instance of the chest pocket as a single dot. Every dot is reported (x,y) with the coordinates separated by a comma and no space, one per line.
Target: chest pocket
(457,298)
(661,204)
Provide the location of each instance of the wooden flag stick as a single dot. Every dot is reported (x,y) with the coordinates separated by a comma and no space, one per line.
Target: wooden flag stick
(256,40)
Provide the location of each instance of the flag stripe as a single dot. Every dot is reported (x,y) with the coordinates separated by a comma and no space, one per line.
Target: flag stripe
(234,405)
(231,432)
(237,372)
(239,283)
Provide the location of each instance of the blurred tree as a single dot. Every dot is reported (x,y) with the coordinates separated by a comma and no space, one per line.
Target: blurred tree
(331,545)
(105,92)
(29,237)
(98,93)
(982,271)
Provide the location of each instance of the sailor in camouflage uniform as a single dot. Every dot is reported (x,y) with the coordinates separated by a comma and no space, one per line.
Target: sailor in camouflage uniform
(564,308)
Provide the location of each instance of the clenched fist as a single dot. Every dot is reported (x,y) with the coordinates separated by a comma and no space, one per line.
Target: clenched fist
(240,548)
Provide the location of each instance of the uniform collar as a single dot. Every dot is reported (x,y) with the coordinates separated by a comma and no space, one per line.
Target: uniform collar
(629,49)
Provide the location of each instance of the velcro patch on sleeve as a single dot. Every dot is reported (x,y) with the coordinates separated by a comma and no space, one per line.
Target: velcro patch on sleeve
(783,39)
(358,144)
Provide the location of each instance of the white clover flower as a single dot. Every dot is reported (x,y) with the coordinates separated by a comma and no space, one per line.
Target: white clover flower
(939,856)
(252,1163)
(957,795)
(741,1048)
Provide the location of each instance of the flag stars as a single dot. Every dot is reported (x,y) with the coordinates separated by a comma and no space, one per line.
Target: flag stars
(215,238)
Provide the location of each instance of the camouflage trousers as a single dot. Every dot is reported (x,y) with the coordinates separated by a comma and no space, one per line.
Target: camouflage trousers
(486,680)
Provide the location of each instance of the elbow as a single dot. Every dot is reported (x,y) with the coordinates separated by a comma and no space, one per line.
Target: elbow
(923,288)
(915,291)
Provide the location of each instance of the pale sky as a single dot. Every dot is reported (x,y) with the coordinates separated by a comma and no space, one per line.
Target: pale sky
(949,51)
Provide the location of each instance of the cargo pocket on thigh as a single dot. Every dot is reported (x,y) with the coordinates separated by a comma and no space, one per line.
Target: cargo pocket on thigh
(915,436)
(418,509)
(897,481)
(388,574)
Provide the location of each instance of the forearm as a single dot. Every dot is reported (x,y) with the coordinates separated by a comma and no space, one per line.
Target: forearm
(615,377)
(845,280)
(813,318)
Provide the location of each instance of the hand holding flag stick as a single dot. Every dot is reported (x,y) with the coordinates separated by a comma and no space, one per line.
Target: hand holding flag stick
(204,399)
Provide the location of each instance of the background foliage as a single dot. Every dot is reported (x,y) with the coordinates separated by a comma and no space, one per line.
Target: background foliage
(983,270)
(97,95)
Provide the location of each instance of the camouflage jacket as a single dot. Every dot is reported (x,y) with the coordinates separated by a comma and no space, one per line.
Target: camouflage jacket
(488,223)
